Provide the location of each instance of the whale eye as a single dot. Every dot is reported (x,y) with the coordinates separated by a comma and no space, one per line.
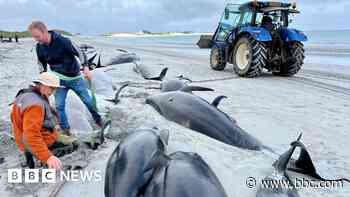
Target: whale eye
(171,99)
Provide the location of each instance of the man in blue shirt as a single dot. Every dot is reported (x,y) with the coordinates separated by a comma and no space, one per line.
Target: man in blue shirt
(59,53)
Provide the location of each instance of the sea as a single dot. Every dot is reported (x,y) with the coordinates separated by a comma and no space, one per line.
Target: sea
(322,47)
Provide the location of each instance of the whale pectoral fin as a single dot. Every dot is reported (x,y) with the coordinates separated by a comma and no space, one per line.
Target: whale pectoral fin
(112,101)
(194,88)
(158,159)
(217,100)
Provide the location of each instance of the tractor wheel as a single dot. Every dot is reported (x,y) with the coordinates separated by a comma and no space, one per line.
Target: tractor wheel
(249,57)
(217,58)
(292,67)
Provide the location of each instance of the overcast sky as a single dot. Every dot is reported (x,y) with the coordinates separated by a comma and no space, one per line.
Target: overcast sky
(100,16)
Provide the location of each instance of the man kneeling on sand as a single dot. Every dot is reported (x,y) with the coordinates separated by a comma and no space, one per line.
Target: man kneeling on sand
(35,123)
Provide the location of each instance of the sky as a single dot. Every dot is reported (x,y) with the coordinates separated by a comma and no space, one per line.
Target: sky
(101,16)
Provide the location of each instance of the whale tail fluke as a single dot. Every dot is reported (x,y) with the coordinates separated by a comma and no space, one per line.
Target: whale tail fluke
(302,165)
(99,65)
(91,59)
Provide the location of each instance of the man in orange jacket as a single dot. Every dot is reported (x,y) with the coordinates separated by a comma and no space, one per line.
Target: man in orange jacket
(35,124)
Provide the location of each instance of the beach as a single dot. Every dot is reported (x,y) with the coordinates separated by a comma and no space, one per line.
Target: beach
(275,110)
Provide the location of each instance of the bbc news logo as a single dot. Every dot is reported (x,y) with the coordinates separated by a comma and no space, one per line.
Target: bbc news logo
(52,176)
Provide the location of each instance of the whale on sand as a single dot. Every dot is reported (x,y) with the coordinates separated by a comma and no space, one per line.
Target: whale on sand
(132,163)
(186,175)
(179,83)
(174,84)
(284,165)
(119,59)
(197,114)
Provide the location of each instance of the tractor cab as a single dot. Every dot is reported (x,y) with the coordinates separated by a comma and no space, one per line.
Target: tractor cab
(261,24)
(268,15)
(229,20)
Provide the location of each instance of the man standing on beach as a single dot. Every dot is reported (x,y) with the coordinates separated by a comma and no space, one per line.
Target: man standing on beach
(16,37)
(59,53)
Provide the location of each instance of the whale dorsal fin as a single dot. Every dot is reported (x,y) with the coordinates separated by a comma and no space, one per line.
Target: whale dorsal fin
(161,75)
(217,100)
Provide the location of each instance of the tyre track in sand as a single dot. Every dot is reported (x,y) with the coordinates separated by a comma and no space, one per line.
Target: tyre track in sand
(306,75)
(320,85)
(326,75)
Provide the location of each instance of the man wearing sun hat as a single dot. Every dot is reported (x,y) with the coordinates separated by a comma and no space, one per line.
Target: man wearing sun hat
(35,124)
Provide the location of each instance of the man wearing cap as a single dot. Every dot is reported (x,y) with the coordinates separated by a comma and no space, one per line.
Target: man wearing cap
(35,124)
(59,53)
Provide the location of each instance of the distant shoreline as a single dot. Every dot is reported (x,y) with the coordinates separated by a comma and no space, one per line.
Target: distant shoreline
(26,34)
(126,34)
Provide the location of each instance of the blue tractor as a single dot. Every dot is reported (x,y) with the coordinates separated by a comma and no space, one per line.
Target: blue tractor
(254,36)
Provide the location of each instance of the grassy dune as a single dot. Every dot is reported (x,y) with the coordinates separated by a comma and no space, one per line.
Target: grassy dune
(24,34)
